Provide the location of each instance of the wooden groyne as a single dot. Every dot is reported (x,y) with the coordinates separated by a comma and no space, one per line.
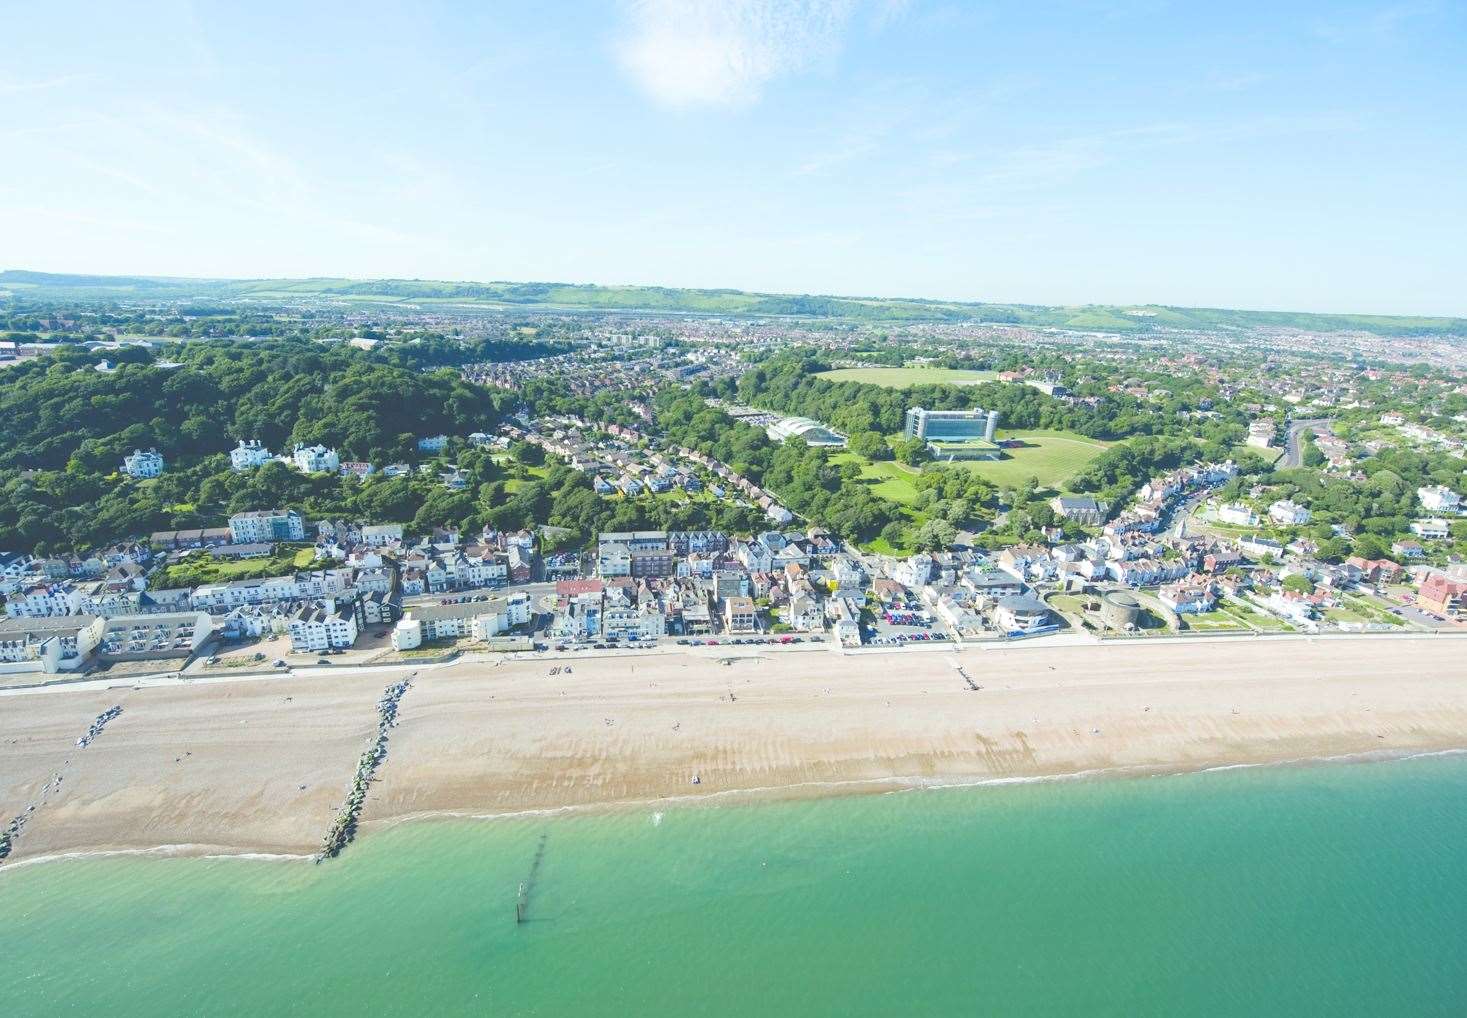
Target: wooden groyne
(522,899)
(344,828)
(53,784)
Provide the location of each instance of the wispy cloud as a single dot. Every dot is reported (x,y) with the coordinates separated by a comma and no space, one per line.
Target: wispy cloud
(689,53)
(1375,24)
(888,12)
(11,87)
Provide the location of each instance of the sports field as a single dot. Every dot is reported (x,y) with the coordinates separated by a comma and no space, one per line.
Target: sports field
(905,378)
(1051,456)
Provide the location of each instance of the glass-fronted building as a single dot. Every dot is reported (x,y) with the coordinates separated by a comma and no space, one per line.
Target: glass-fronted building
(951,425)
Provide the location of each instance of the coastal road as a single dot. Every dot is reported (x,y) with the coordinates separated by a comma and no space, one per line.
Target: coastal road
(1294,443)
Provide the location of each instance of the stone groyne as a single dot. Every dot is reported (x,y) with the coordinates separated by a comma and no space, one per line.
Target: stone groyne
(344,827)
(17,823)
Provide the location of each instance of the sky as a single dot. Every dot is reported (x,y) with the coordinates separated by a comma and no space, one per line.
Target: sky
(1300,156)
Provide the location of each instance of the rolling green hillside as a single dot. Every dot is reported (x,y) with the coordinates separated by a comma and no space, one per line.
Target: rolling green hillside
(564,296)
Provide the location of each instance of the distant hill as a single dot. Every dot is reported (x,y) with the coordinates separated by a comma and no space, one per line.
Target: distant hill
(572,297)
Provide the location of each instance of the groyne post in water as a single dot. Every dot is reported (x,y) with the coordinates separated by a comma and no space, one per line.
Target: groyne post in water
(522,899)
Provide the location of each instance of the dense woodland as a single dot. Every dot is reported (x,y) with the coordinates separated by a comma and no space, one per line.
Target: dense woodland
(65,426)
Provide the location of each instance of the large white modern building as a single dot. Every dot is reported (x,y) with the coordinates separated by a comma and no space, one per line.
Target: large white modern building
(955,434)
(951,425)
(811,431)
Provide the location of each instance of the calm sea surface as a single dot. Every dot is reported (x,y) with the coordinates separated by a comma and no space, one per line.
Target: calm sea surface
(1323,890)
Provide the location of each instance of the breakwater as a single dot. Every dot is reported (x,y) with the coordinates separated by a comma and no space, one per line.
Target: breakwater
(99,723)
(17,823)
(344,827)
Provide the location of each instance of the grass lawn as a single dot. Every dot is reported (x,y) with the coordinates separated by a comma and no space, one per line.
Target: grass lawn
(904,378)
(886,478)
(1051,456)
(881,546)
(430,648)
(1215,621)
(1069,603)
(1367,610)
(1267,455)
(1345,615)
(1257,617)
(197,569)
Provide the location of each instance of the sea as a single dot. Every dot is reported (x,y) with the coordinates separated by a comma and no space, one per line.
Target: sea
(1330,889)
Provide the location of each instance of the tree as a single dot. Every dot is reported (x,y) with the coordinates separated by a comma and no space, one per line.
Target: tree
(1042,513)
(912,451)
(1299,583)
(1371,546)
(871,445)
(528,453)
(934,535)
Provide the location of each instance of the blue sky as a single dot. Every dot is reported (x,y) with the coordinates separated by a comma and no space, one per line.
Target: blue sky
(1301,156)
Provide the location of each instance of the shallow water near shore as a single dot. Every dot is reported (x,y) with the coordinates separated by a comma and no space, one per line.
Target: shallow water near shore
(1333,889)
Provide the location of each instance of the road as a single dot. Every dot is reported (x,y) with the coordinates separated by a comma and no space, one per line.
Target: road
(1294,444)
(1174,524)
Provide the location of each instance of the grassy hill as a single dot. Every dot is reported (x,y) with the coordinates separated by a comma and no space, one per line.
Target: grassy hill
(572,297)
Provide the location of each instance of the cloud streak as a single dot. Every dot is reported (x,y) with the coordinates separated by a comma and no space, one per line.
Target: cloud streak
(722,53)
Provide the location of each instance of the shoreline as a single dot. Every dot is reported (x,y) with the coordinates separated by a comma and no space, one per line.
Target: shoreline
(260,768)
(739,797)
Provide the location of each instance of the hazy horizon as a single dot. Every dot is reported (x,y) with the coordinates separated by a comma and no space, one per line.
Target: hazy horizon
(1138,152)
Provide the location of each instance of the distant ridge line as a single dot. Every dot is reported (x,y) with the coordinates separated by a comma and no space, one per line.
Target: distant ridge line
(592,297)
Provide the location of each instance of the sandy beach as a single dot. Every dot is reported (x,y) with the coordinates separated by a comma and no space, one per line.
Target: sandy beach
(262,766)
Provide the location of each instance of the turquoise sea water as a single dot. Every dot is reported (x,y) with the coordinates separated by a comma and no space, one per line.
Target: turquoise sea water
(1323,890)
